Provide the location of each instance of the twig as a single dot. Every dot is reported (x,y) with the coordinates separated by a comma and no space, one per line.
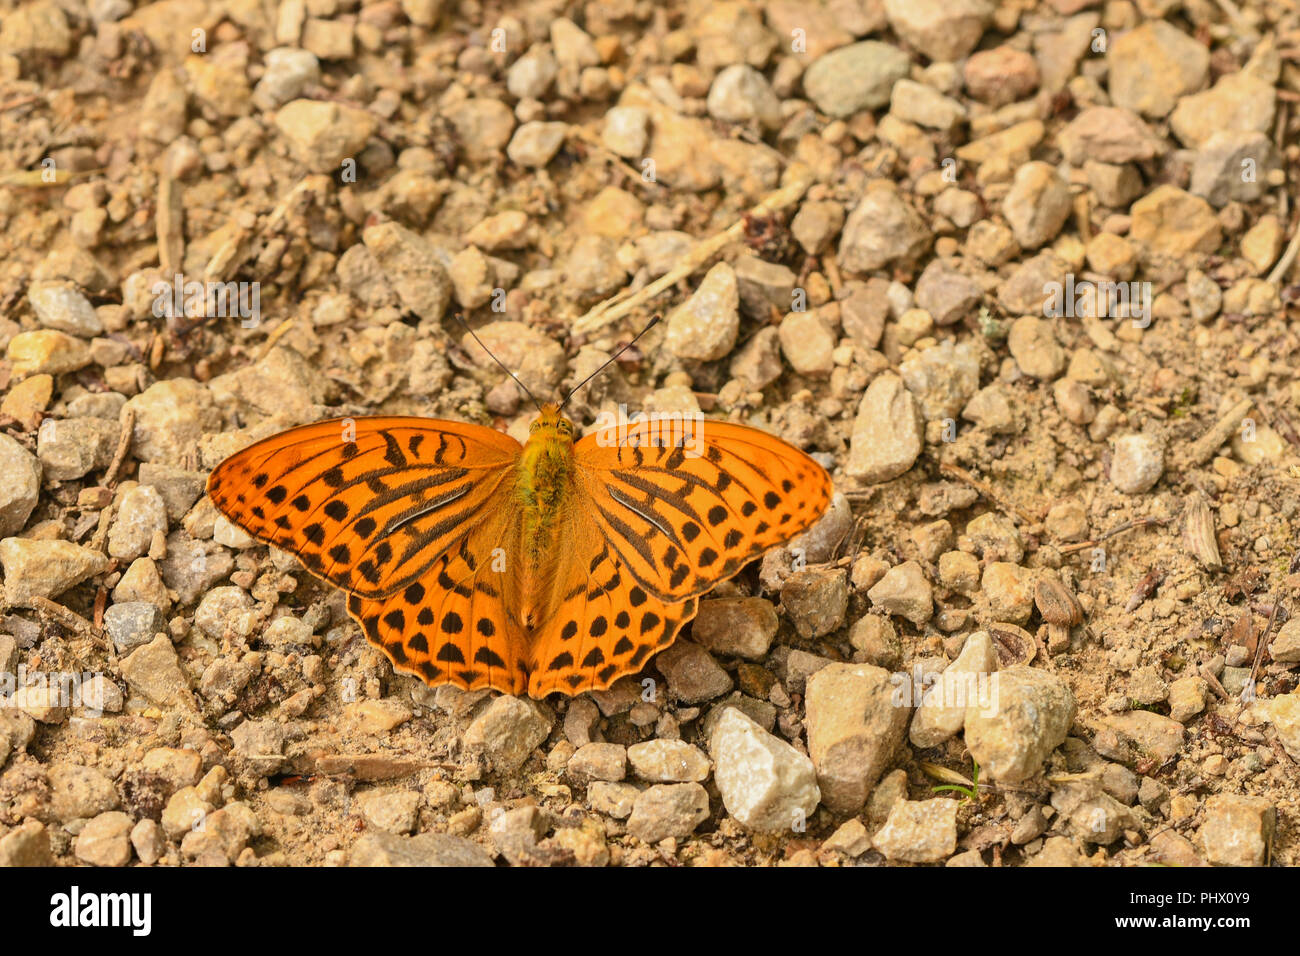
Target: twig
(1262,643)
(276,334)
(123,445)
(1288,257)
(1208,676)
(69,619)
(1118,529)
(611,157)
(100,537)
(1204,447)
(985,489)
(617,306)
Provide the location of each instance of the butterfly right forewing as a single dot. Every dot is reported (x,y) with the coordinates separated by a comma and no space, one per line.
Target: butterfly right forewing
(686,507)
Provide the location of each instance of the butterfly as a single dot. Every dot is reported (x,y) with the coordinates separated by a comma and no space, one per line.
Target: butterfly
(556,565)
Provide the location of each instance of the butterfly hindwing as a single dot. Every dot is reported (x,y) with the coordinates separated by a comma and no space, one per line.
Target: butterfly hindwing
(605,626)
(367,503)
(455,624)
(688,506)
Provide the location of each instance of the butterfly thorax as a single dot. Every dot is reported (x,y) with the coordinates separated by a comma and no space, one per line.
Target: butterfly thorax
(544,480)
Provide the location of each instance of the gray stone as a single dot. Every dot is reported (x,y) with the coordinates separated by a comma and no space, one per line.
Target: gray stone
(668,761)
(598,761)
(132,624)
(919,831)
(105,840)
(941,712)
(155,671)
(944,30)
(816,601)
(45,568)
(77,792)
(58,305)
(855,77)
(668,810)
(882,229)
(905,592)
(705,326)
(20,485)
(888,433)
(141,514)
(736,626)
(692,674)
(1238,830)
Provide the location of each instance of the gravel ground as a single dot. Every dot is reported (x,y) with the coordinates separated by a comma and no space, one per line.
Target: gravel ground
(1019,275)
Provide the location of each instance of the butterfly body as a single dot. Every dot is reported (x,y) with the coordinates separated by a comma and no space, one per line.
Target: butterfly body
(545,475)
(558,565)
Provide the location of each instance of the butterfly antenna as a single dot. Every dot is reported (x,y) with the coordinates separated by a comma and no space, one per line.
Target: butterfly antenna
(612,359)
(461,319)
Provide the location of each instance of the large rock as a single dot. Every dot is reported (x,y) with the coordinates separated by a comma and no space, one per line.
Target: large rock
(856,77)
(1175,222)
(1238,830)
(705,326)
(765,783)
(44,568)
(1239,101)
(20,485)
(322,135)
(1154,65)
(668,810)
(888,433)
(154,670)
(944,30)
(508,731)
(170,417)
(856,723)
(881,229)
(919,831)
(941,712)
(1021,717)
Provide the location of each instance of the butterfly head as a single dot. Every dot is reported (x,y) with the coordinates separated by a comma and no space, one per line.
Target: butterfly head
(551,425)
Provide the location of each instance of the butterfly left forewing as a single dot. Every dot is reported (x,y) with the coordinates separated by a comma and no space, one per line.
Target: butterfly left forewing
(368,503)
(689,505)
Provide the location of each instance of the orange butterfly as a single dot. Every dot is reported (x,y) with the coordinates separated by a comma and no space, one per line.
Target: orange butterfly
(552,566)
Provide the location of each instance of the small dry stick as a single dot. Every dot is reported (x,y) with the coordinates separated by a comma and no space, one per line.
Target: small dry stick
(123,446)
(275,336)
(985,489)
(100,538)
(1208,676)
(617,306)
(1284,264)
(1203,448)
(611,157)
(68,618)
(1118,529)
(1262,644)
